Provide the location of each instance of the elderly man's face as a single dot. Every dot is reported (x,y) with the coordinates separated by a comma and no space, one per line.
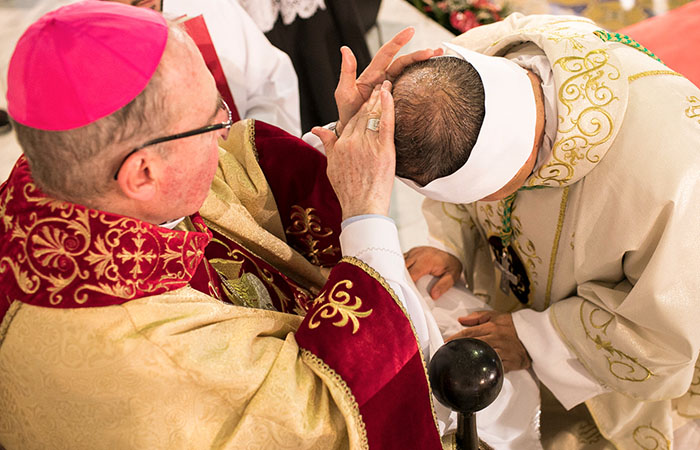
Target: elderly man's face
(192,101)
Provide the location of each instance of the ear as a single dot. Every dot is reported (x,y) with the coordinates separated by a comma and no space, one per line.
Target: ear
(138,177)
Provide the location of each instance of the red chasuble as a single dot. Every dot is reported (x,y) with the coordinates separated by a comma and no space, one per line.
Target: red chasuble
(61,255)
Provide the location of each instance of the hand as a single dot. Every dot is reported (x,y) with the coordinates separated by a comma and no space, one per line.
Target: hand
(429,260)
(351,93)
(361,163)
(497,330)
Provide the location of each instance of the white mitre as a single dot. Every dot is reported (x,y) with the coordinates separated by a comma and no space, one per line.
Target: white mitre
(506,138)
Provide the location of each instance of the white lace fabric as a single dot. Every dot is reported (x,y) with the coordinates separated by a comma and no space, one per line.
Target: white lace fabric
(265,12)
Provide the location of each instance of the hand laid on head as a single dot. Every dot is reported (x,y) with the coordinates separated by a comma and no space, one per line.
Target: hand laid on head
(361,163)
(430,260)
(497,330)
(351,93)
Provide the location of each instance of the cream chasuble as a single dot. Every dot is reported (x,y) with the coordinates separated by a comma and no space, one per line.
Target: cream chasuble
(604,234)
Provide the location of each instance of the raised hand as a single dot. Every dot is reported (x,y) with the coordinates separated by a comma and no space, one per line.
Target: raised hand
(430,260)
(497,330)
(361,163)
(352,92)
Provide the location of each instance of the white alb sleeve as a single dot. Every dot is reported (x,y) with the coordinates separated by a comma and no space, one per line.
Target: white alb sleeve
(553,362)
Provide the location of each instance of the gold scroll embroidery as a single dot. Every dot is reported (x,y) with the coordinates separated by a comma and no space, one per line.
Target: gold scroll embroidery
(338,302)
(649,438)
(621,365)
(693,110)
(650,73)
(585,95)
(557,34)
(308,225)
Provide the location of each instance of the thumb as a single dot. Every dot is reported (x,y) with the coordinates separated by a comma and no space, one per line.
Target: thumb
(326,136)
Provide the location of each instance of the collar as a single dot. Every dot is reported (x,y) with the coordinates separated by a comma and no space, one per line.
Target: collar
(59,254)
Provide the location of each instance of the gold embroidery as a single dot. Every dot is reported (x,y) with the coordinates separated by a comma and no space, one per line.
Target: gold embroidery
(695,384)
(693,110)
(307,224)
(587,433)
(527,252)
(557,34)
(621,365)
(331,374)
(54,249)
(459,220)
(585,95)
(649,438)
(555,246)
(650,73)
(6,218)
(374,274)
(7,320)
(338,302)
(236,258)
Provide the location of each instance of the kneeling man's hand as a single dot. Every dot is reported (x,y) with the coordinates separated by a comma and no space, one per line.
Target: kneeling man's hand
(432,261)
(497,330)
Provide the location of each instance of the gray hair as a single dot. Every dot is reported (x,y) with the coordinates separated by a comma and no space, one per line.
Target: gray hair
(77,165)
(439,106)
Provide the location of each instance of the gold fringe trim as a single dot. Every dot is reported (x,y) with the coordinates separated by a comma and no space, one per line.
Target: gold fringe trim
(650,73)
(324,368)
(374,274)
(555,247)
(7,320)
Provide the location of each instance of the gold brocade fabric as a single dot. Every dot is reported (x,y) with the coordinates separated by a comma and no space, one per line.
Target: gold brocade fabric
(240,205)
(608,240)
(175,371)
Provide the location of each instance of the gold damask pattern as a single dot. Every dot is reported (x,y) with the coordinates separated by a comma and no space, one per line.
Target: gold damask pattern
(622,366)
(307,225)
(69,253)
(586,124)
(693,109)
(649,438)
(339,302)
(315,361)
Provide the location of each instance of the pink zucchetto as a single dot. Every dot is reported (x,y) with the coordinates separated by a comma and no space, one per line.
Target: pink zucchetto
(83,62)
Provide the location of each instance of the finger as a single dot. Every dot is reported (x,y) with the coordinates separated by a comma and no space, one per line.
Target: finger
(386,121)
(443,284)
(401,62)
(459,335)
(327,138)
(475,318)
(348,72)
(374,73)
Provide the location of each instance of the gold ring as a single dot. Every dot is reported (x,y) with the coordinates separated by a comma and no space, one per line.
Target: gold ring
(373,124)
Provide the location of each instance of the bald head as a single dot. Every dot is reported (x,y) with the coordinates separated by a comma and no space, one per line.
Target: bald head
(439,107)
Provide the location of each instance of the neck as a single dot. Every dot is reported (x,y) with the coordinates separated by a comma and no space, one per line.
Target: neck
(517,182)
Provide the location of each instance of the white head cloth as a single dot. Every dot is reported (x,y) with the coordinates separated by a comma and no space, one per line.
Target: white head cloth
(506,138)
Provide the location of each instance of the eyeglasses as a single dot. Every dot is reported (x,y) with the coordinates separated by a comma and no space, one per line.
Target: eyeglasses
(202,130)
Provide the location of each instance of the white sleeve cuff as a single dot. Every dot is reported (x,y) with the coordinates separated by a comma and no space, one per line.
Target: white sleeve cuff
(375,240)
(554,364)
